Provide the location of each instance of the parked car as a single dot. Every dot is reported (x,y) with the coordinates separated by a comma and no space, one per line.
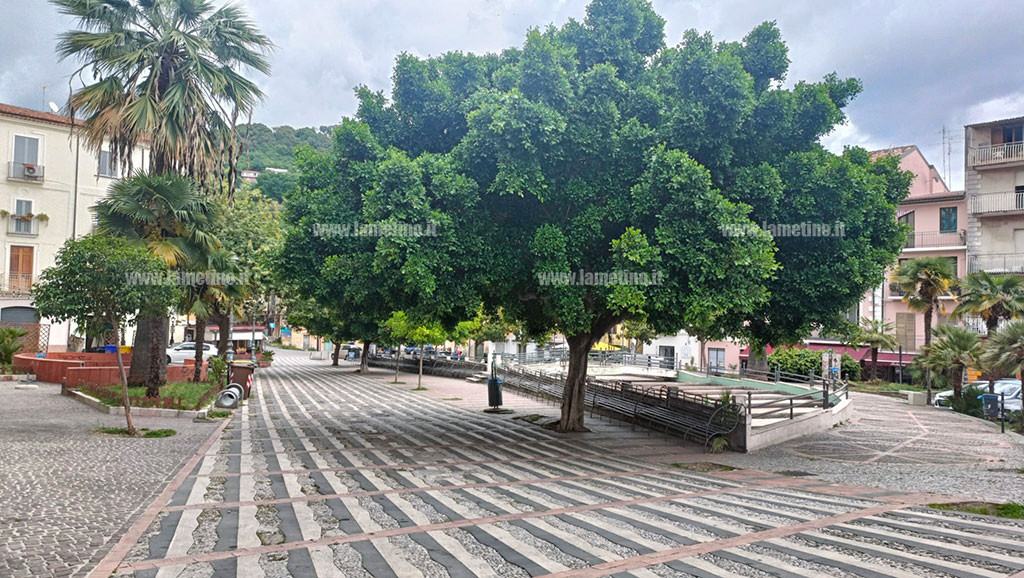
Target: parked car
(1010,387)
(187,350)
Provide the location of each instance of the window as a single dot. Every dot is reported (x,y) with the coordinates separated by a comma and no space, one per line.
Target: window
(716,357)
(666,351)
(1018,193)
(947,219)
(22,217)
(906,329)
(1014,133)
(26,158)
(108,165)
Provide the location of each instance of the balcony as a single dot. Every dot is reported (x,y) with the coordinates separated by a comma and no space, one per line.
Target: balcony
(997,263)
(995,154)
(25,172)
(16,285)
(991,203)
(23,226)
(936,239)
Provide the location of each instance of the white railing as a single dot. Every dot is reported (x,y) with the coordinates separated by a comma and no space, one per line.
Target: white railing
(1001,263)
(1003,202)
(991,154)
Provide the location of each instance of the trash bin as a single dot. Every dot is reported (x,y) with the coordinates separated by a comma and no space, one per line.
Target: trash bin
(241,372)
(494,392)
(991,406)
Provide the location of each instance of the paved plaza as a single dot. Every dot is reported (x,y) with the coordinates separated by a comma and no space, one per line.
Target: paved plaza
(329,473)
(66,492)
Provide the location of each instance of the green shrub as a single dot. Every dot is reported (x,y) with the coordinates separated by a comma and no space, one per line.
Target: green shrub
(795,360)
(851,367)
(9,344)
(267,355)
(970,402)
(218,370)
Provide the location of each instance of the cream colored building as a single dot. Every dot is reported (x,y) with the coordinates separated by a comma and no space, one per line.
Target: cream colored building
(994,181)
(50,182)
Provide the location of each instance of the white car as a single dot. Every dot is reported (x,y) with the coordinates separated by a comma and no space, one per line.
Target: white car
(1010,387)
(187,350)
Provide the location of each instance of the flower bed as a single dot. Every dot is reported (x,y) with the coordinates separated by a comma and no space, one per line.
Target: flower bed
(176,395)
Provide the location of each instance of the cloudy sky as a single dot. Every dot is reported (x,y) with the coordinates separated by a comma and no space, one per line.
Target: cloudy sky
(925,64)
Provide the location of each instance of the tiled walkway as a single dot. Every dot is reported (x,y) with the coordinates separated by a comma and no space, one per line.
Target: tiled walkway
(327,473)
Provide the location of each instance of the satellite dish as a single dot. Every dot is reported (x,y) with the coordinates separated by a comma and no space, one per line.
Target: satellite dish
(54,107)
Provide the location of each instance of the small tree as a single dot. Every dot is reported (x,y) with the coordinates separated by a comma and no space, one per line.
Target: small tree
(954,349)
(993,298)
(1004,352)
(876,334)
(404,328)
(106,280)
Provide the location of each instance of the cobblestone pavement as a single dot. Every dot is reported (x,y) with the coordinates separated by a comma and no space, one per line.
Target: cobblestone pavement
(67,493)
(328,473)
(902,447)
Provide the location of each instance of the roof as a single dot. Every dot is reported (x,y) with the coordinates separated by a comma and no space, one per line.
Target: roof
(995,122)
(922,199)
(900,151)
(36,115)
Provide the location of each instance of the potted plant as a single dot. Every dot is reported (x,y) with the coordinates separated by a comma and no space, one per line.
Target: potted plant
(4,213)
(266,357)
(43,217)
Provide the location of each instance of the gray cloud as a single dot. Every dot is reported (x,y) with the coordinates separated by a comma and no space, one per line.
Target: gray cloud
(924,64)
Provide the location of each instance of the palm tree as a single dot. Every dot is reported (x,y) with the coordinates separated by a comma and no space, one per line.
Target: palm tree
(167,73)
(876,334)
(170,217)
(205,298)
(954,349)
(1004,350)
(993,298)
(924,281)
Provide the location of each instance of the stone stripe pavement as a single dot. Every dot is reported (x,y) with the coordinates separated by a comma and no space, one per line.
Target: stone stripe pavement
(325,472)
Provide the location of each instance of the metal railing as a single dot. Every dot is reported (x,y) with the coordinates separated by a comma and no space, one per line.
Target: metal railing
(595,358)
(993,154)
(997,263)
(16,285)
(25,172)
(18,225)
(931,239)
(1001,202)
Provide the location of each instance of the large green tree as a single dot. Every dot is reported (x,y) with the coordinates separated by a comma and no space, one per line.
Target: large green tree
(600,176)
(103,281)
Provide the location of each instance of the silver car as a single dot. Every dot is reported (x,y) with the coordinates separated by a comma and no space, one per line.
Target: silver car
(1011,388)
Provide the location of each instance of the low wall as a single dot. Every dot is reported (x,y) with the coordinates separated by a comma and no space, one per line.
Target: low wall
(54,367)
(811,423)
(111,375)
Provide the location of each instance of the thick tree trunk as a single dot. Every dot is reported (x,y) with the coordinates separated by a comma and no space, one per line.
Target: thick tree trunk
(336,354)
(157,375)
(200,341)
(874,363)
(574,394)
(758,360)
(141,360)
(223,335)
(124,382)
(363,365)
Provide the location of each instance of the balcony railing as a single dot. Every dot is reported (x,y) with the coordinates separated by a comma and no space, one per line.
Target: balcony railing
(25,172)
(16,285)
(895,291)
(927,239)
(1004,202)
(995,154)
(18,225)
(997,263)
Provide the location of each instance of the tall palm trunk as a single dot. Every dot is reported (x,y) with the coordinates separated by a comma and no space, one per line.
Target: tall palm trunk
(200,341)
(874,362)
(141,360)
(927,342)
(223,335)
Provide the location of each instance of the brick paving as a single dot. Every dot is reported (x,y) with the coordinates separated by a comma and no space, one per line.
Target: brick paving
(328,473)
(67,493)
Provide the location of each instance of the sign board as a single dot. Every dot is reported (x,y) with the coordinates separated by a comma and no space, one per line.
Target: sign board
(831,364)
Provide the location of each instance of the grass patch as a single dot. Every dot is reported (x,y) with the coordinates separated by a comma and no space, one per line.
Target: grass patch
(143,432)
(1011,510)
(218,413)
(451,399)
(531,418)
(883,387)
(419,389)
(188,391)
(703,467)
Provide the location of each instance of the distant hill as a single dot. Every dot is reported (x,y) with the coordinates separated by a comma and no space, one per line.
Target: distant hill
(272,147)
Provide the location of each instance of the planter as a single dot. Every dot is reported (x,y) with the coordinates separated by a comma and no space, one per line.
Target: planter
(264,363)
(17,377)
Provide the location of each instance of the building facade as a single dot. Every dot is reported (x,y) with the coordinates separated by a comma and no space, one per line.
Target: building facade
(51,180)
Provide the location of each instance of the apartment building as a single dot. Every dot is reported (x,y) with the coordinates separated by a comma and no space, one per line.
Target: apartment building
(51,181)
(994,182)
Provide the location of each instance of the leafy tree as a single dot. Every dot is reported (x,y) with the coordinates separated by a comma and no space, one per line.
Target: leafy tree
(171,219)
(953,349)
(924,281)
(993,298)
(876,334)
(402,328)
(796,360)
(103,280)
(264,147)
(276,185)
